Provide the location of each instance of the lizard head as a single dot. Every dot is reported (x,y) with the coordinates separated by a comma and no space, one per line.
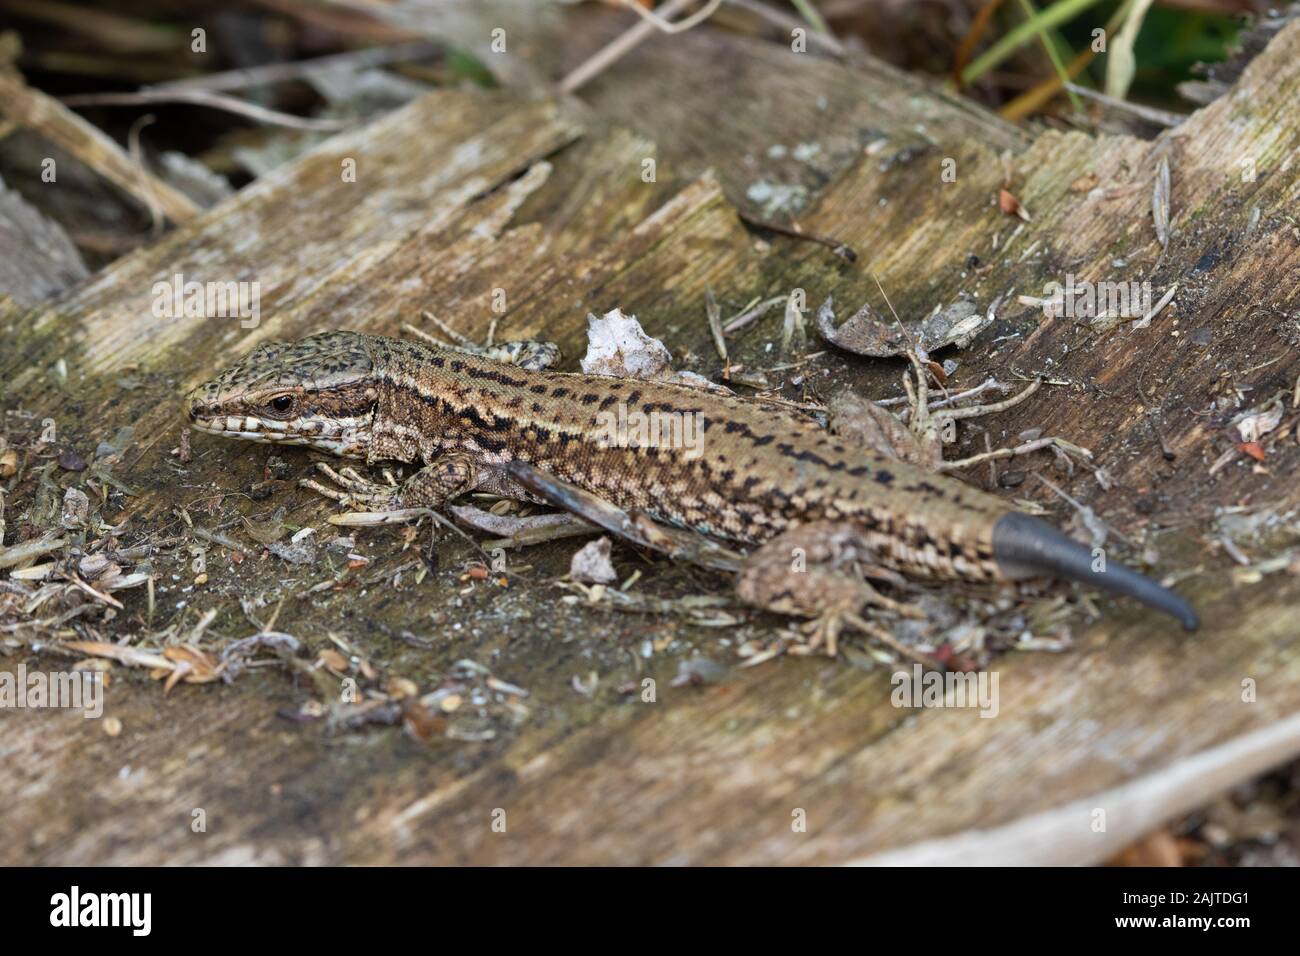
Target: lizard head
(318,392)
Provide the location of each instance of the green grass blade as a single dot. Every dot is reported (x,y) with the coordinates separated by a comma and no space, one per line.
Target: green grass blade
(1050,18)
(809,13)
(1053,54)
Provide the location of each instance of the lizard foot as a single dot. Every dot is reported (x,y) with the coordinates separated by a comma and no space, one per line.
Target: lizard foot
(815,571)
(429,488)
(522,353)
(823,634)
(353,490)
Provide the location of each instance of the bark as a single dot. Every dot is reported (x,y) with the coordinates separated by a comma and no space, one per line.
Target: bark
(461,194)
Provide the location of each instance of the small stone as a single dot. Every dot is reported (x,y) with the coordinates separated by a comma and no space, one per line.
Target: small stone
(76,508)
(112,726)
(1011,479)
(69,460)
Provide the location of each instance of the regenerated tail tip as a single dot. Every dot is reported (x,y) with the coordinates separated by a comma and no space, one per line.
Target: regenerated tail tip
(1025,546)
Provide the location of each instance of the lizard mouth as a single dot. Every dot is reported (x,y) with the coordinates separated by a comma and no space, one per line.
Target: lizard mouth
(242,426)
(338,437)
(206,418)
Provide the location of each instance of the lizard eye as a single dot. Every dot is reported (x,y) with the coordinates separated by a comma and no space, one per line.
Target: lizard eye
(282,403)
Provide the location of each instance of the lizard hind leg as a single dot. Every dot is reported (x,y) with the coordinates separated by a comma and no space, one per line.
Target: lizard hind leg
(525,353)
(807,572)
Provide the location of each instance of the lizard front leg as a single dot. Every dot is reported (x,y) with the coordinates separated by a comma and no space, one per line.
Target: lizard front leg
(452,474)
(808,572)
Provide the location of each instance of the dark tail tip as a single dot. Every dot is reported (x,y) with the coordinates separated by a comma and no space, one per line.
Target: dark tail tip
(1025,546)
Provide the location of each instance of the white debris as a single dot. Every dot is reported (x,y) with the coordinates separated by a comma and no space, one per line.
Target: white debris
(591,563)
(618,346)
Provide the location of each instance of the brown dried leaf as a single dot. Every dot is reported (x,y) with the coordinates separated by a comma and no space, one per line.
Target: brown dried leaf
(1252,448)
(125,655)
(1010,205)
(1255,424)
(422,724)
(196,666)
(1155,849)
(867,332)
(174,677)
(333,660)
(866,423)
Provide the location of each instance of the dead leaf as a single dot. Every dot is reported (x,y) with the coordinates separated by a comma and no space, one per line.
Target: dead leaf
(333,660)
(400,688)
(420,723)
(200,666)
(1252,448)
(867,424)
(1010,205)
(867,332)
(125,655)
(1160,848)
(1258,422)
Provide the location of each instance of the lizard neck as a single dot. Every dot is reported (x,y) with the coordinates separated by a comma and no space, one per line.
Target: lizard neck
(434,400)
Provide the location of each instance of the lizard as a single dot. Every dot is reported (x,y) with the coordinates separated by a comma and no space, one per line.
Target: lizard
(760,476)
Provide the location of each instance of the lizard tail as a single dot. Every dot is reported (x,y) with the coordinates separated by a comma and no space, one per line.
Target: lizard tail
(1024,546)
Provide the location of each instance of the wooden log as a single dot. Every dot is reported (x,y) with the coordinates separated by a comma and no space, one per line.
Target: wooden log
(463,194)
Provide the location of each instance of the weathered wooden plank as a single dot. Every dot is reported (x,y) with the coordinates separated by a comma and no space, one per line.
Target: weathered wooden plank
(706,774)
(307,223)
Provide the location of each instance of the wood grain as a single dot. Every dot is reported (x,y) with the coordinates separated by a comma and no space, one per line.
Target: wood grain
(463,193)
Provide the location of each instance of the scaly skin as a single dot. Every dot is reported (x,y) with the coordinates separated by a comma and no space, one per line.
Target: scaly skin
(758,472)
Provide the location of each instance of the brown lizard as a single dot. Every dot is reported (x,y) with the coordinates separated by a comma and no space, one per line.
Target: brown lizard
(757,475)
